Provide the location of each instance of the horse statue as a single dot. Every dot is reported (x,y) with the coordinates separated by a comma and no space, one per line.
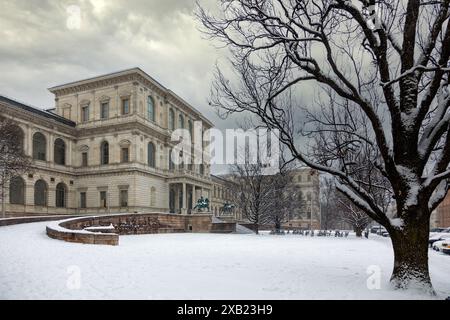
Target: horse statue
(227,208)
(202,203)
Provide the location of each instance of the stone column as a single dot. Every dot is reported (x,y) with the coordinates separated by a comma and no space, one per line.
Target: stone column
(29,142)
(69,160)
(50,148)
(193,196)
(184,210)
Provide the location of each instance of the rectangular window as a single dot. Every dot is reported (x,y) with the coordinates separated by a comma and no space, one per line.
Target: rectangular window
(104,110)
(103,199)
(85,114)
(84,159)
(124,198)
(83,200)
(125,106)
(125,155)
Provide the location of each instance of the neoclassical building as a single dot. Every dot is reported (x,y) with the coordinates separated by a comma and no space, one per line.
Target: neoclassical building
(105,148)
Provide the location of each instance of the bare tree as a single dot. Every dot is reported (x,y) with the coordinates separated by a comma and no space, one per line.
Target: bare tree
(255,194)
(13,161)
(328,203)
(285,197)
(390,64)
(352,215)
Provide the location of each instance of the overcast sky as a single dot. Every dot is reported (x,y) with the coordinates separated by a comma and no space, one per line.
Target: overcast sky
(42,47)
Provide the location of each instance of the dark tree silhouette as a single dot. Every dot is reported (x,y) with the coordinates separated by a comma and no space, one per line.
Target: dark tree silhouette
(13,161)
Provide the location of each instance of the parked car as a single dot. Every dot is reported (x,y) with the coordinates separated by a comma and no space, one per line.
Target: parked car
(381,231)
(375,229)
(446,249)
(441,244)
(439,236)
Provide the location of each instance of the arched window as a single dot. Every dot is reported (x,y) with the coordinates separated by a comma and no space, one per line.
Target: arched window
(39,146)
(60,152)
(181,121)
(17,191)
(171,120)
(40,193)
(152,196)
(150,109)
(151,154)
(104,152)
(300,196)
(18,137)
(61,195)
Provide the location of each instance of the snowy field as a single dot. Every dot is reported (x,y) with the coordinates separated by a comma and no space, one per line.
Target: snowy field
(201,266)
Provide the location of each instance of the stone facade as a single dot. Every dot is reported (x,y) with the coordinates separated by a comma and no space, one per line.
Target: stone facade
(442,216)
(116,142)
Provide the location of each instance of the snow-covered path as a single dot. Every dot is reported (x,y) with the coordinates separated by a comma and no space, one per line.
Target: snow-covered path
(200,266)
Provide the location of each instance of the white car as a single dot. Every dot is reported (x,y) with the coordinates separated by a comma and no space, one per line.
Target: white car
(445,235)
(441,245)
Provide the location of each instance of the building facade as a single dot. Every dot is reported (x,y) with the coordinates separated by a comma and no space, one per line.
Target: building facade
(442,216)
(306,185)
(105,148)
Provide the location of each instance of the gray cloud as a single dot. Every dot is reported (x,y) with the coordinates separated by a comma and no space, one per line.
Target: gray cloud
(38,50)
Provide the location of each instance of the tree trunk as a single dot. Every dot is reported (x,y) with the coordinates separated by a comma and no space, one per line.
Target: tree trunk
(256,227)
(410,244)
(277,226)
(358,231)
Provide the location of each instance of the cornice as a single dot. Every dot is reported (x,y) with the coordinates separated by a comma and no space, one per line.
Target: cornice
(134,76)
(30,117)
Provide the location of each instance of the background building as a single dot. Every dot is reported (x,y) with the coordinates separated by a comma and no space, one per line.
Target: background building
(442,218)
(306,186)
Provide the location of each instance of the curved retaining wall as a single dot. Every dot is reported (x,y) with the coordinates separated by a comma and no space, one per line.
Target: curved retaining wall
(73,230)
(31,219)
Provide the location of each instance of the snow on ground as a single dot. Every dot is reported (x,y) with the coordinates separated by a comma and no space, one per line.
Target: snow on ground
(200,266)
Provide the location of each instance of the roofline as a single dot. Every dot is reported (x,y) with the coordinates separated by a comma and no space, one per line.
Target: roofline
(128,71)
(220,178)
(96,78)
(40,112)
